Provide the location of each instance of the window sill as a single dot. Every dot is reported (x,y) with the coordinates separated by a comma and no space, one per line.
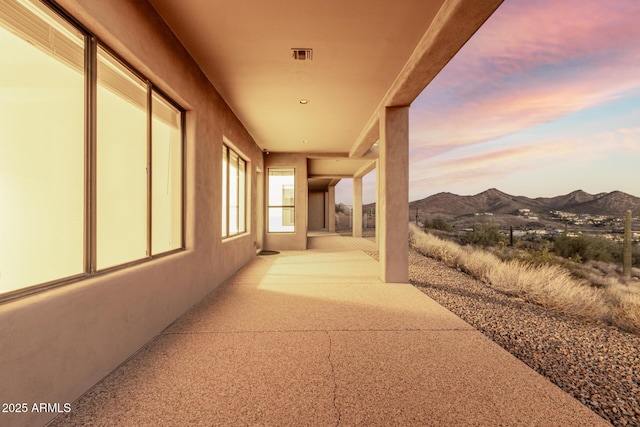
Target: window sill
(235,237)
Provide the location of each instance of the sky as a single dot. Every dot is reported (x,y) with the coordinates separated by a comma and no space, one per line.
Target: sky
(543,100)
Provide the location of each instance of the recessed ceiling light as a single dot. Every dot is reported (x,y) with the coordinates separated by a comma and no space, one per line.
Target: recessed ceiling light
(304,141)
(304,101)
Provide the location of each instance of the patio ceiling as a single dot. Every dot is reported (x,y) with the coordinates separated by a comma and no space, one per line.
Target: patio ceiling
(359,49)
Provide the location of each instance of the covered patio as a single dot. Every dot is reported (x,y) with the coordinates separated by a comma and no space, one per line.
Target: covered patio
(248,114)
(316,338)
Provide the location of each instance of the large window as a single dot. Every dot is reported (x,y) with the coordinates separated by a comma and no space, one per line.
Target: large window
(234,172)
(281,200)
(42,193)
(90,155)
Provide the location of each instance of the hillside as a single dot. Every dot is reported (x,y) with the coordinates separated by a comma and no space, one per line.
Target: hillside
(615,203)
(496,202)
(569,200)
(489,201)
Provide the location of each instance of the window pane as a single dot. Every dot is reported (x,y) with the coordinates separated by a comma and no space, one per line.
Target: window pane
(281,220)
(166,179)
(121,164)
(233,192)
(41,147)
(281,200)
(225,173)
(242,200)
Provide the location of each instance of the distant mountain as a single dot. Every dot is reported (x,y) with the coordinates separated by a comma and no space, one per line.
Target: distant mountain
(492,201)
(615,203)
(572,199)
(495,201)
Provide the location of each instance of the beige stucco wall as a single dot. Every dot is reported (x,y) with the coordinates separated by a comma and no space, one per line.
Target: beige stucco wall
(316,211)
(298,239)
(56,344)
(392,207)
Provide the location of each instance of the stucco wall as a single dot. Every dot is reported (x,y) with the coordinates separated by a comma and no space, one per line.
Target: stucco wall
(298,239)
(56,344)
(316,211)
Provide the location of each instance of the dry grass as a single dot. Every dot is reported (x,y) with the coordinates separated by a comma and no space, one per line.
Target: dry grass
(551,286)
(624,303)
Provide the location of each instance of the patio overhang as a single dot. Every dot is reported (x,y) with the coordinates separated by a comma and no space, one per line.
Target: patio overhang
(365,56)
(330,82)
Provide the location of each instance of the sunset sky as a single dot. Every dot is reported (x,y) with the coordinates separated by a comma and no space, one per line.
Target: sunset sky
(542,101)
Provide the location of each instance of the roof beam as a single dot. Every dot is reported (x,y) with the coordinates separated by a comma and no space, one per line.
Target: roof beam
(331,176)
(367,138)
(365,169)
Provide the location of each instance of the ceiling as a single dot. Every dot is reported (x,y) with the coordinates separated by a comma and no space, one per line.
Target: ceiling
(360,48)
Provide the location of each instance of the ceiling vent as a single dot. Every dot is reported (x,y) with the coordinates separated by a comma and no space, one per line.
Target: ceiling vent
(302,54)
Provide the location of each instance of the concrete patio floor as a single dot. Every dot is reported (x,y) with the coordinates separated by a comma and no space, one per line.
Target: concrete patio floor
(313,338)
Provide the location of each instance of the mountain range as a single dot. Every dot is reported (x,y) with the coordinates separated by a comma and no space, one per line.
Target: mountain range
(494,201)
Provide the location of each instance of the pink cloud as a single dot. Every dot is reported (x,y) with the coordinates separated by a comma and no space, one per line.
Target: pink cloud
(625,139)
(449,181)
(532,63)
(503,112)
(490,168)
(546,169)
(418,150)
(510,157)
(526,35)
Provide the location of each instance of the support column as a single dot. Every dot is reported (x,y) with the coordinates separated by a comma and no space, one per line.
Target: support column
(393,197)
(332,209)
(326,210)
(377,205)
(356,213)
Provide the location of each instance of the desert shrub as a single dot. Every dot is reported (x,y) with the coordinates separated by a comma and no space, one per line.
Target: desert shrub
(552,286)
(535,254)
(341,208)
(624,301)
(438,223)
(586,248)
(604,268)
(539,257)
(549,286)
(479,264)
(429,245)
(485,235)
(542,256)
(635,255)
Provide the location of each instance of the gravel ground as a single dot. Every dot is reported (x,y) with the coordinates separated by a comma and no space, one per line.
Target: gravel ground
(597,364)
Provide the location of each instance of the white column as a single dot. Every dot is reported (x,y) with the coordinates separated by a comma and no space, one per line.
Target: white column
(393,197)
(357,208)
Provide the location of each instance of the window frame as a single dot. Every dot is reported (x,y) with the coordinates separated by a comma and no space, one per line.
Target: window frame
(241,190)
(89,71)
